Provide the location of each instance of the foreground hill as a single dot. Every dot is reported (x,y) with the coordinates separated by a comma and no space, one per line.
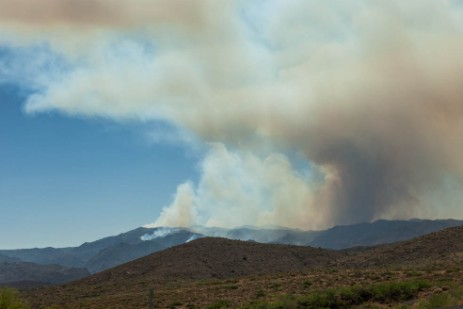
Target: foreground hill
(200,260)
(442,248)
(221,258)
(214,268)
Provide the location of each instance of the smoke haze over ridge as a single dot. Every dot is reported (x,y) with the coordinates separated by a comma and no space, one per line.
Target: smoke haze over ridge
(368,93)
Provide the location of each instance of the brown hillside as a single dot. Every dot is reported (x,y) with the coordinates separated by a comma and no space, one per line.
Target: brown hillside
(435,249)
(221,258)
(211,269)
(202,260)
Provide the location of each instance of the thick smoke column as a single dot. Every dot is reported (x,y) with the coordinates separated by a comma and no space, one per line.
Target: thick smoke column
(369,93)
(242,188)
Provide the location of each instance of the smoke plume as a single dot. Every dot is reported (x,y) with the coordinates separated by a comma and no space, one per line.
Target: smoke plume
(159,233)
(368,93)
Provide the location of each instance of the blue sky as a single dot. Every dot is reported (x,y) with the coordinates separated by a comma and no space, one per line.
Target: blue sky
(298,113)
(67,180)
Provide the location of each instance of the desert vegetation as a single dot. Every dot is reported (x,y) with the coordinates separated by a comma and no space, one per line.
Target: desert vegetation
(10,299)
(218,273)
(322,288)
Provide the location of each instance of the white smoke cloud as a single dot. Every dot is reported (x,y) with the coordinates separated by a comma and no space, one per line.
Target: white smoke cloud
(159,233)
(241,188)
(368,91)
(182,212)
(193,237)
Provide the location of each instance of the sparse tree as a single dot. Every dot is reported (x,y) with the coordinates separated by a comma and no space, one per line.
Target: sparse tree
(150,298)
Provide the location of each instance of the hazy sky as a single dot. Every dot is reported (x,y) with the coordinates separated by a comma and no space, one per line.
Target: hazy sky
(121,113)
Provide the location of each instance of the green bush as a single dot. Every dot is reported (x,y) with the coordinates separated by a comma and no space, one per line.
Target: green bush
(220,304)
(307,284)
(437,301)
(452,297)
(9,299)
(283,304)
(348,297)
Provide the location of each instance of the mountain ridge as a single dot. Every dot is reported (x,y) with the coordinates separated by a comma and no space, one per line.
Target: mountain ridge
(218,267)
(14,272)
(114,250)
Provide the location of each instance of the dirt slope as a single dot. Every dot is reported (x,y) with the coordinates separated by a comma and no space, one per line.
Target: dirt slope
(222,258)
(434,249)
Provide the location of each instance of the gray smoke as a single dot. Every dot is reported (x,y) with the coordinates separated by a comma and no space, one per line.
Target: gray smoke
(368,93)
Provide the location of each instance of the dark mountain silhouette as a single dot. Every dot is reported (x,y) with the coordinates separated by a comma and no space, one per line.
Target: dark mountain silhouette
(14,272)
(223,258)
(378,232)
(279,235)
(115,250)
(103,253)
(7,259)
(124,252)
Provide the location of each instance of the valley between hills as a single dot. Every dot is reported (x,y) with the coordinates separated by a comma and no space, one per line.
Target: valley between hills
(423,272)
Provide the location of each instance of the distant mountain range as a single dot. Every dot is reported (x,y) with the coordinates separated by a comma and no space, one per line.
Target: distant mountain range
(103,253)
(378,232)
(116,250)
(338,237)
(14,272)
(224,258)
